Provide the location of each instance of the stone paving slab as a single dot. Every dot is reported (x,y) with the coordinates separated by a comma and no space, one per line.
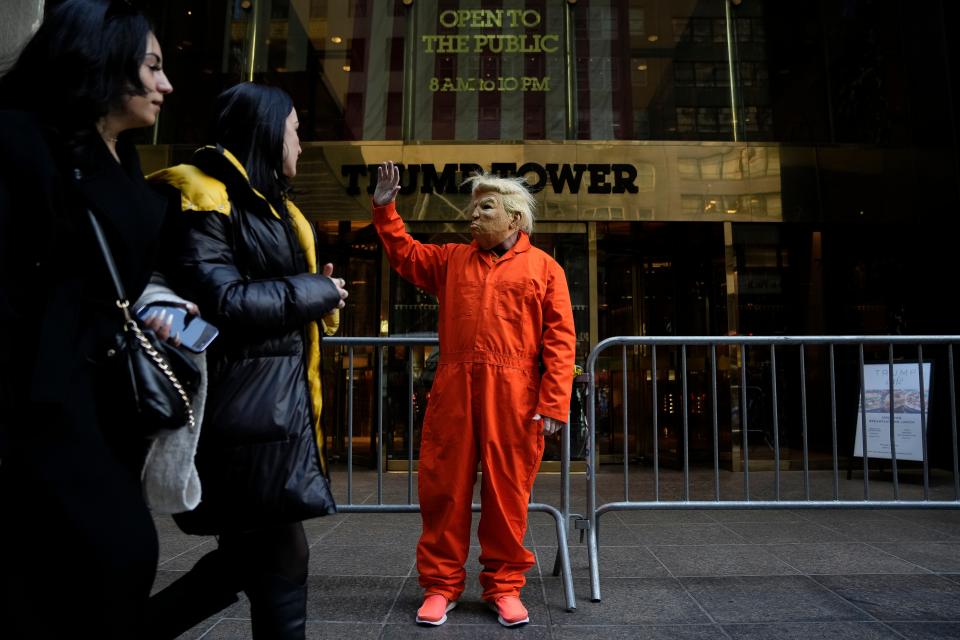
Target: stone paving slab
(690,575)
(769,599)
(899,597)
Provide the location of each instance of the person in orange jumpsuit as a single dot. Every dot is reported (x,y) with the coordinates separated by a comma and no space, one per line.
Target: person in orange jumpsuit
(507,346)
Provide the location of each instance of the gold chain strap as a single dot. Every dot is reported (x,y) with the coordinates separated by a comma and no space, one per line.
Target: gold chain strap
(165,368)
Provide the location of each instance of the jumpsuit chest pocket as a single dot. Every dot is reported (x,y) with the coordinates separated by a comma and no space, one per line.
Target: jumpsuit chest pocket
(511,298)
(466,299)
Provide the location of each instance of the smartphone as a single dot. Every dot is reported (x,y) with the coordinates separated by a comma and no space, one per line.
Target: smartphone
(196,334)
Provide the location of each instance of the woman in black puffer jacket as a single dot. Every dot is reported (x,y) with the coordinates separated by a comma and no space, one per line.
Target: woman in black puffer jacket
(248,257)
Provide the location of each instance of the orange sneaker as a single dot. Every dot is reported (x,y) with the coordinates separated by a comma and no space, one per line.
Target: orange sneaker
(510,611)
(434,609)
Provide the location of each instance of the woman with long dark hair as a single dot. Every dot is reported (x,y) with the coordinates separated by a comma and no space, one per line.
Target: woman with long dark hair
(249,258)
(78,548)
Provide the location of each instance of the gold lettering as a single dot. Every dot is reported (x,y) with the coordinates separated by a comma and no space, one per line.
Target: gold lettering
(448,19)
(499,43)
(525,17)
(447,44)
(554,38)
(536,84)
(486,18)
(479,42)
(502,83)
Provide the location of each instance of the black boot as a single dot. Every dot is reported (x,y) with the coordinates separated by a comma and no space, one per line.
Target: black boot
(278,608)
(208,588)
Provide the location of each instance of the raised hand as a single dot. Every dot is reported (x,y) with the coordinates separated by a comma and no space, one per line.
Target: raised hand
(388,183)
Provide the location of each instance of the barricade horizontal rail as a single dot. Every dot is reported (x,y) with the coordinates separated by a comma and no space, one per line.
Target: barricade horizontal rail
(756,410)
(347,346)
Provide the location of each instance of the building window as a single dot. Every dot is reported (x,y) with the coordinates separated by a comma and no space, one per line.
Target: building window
(702,30)
(318,8)
(683,74)
(686,120)
(638,21)
(719,30)
(707,120)
(704,74)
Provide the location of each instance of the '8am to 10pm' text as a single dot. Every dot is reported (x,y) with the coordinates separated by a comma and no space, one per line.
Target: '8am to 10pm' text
(500,83)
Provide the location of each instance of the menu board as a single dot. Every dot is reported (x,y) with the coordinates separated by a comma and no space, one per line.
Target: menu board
(907,424)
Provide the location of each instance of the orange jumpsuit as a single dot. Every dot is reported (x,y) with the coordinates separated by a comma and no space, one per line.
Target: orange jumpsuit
(500,320)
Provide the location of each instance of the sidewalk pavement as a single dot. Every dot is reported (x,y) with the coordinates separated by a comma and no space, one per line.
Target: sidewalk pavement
(686,575)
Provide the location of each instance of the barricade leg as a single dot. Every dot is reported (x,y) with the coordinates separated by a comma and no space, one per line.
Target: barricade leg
(563,553)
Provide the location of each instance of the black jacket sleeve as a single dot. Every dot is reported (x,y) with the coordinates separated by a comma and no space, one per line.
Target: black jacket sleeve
(209,270)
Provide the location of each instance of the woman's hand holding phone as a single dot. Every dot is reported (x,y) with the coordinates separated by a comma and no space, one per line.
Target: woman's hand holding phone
(171,323)
(160,321)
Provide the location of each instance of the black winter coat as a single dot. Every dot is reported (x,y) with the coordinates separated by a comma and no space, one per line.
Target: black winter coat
(252,269)
(73,515)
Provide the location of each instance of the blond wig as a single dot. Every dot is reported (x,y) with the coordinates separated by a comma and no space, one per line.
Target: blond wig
(513,193)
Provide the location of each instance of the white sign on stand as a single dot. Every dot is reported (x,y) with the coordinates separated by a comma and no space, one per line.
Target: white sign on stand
(907,425)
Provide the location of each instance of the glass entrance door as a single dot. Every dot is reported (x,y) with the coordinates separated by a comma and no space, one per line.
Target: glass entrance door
(656,279)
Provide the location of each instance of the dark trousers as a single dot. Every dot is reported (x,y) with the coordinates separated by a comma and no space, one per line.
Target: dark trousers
(78,548)
(269,565)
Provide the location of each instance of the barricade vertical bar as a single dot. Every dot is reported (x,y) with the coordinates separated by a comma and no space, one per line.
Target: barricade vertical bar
(350,429)
(686,426)
(626,431)
(716,439)
(562,563)
(656,425)
(833,424)
(776,421)
(953,423)
(893,444)
(564,490)
(803,422)
(863,429)
(923,425)
(379,352)
(592,554)
(410,424)
(744,421)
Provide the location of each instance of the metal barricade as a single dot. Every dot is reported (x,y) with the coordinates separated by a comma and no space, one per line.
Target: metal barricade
(752,404)
(560,515)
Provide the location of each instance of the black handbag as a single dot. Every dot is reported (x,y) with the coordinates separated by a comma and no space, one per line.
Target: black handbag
(159,377)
